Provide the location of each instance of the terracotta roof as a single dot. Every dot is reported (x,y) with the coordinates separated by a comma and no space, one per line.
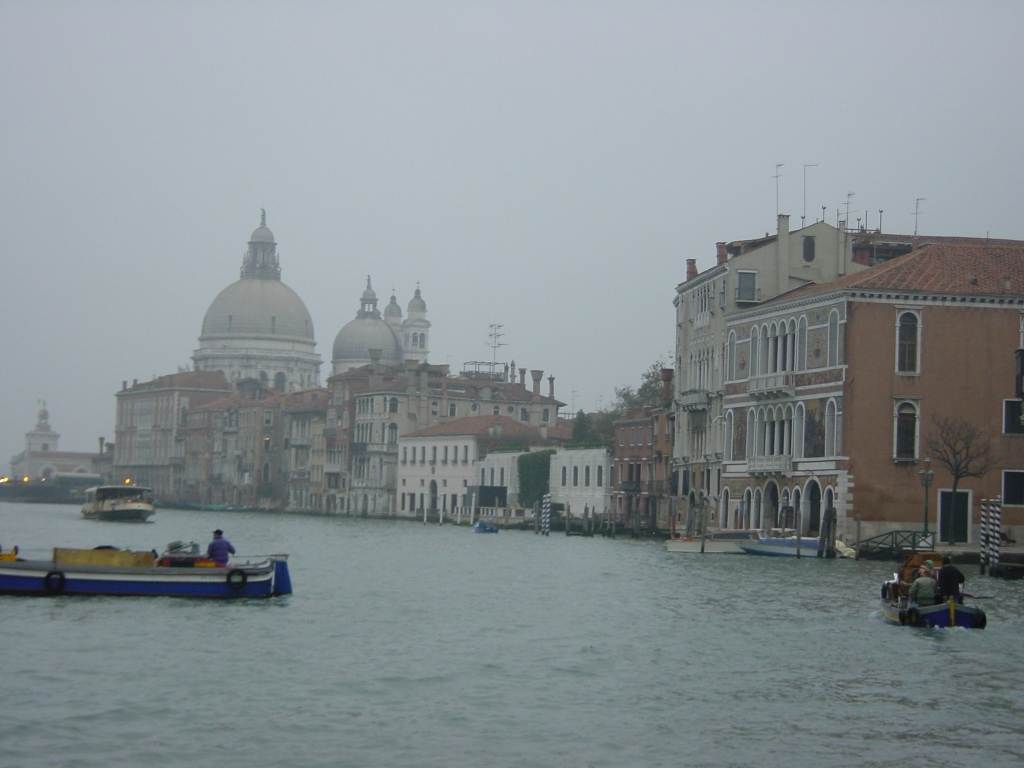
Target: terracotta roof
(183,380)
(961,269)
(918,241)
(306,400)
(478,426)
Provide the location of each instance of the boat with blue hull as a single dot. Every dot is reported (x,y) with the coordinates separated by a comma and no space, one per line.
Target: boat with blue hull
(898,608)
(124,573)
(483,526)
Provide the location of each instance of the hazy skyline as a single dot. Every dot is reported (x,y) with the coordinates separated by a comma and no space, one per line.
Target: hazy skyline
(547,166)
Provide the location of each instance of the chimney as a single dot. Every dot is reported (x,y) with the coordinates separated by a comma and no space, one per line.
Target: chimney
(124,384)
(666,385)
(537,376)
(551,387)
(102,441)
(522,377)
(691,269)
(513,379)
(782,252)
(721,253)
(135,382)
(506,373)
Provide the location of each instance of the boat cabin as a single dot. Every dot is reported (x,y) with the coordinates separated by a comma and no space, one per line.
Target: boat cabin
(118,493)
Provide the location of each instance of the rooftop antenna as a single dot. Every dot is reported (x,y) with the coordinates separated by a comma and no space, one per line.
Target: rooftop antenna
(778,187)
(917,210)
(880,212)
(823,212)
(495,334)
(806,166)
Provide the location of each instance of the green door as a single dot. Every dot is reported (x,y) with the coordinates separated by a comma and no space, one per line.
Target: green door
(953,521)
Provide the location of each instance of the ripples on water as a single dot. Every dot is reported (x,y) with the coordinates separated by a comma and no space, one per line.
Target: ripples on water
(407,645)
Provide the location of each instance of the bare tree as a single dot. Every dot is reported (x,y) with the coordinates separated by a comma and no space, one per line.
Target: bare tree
(962,448)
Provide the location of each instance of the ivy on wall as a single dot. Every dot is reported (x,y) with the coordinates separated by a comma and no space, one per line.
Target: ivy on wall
(534,476)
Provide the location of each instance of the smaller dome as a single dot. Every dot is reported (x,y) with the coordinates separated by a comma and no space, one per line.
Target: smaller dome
(354,342)
(262,234)
(392,311)
(416,303)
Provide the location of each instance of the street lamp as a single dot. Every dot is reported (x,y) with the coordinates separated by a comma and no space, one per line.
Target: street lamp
(926,479)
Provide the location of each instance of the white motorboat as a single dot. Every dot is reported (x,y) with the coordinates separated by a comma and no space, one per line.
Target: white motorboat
(118,503)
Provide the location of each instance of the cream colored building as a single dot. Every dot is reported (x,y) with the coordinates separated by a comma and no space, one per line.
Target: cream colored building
(580,480)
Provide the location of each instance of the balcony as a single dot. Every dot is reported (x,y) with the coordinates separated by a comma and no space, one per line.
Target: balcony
(694,400)
(770,465)
(630,486)
(772,385)
(302,441)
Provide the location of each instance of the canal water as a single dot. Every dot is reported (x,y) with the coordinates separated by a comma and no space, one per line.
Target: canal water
(412,645)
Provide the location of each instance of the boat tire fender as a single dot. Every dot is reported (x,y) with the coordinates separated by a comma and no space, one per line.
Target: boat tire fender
(237,579)
(980,620)
(53,583)
(913,617)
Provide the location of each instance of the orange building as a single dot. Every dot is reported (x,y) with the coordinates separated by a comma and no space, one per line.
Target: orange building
(847,394)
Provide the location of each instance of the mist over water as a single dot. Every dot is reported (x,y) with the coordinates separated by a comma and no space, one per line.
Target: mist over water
(412,645)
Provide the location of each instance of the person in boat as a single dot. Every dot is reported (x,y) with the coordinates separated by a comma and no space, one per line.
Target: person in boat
(922,591)
(950,581)
(219,549)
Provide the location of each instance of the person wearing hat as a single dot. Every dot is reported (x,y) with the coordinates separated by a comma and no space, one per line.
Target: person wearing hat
(219,549)
(922,591)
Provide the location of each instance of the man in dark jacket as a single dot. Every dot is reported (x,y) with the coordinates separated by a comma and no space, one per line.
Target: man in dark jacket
(219,549)
(950,581)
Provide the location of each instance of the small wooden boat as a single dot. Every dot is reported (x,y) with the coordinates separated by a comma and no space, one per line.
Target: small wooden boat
(118,503)
(714,543)
(897,608)
(106,571)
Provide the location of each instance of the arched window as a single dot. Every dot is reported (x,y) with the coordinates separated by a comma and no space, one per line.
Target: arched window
(727,448)
(730,365)
(906,431)
(798,432)
(906,343)
(753,352)
(750,433)
(392,433)
(724,518)
(830,428)
(393,405)
(833,338)
(563,477)
(801,345)
(586,475)
(575,476)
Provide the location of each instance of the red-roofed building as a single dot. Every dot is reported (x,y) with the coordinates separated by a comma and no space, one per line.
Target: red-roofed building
(832,392)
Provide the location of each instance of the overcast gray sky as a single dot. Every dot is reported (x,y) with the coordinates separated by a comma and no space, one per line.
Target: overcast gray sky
(545,165)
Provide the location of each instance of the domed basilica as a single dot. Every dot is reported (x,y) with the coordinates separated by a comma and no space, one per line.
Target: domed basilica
(397,340)
(258,327)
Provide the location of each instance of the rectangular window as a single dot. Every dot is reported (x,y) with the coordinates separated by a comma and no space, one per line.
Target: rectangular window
(746,286)
(599,477)
(433,454)
(451,409)
(444,459)
(268,418)
(1013,487)
(1011,418)
(501,480)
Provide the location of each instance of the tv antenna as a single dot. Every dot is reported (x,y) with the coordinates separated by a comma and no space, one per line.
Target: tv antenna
(778,187)
(917,210)
(495,335)
(806,166)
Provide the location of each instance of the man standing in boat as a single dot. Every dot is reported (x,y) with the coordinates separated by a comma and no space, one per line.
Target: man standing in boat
(922,591)
(219,549)
(950,581)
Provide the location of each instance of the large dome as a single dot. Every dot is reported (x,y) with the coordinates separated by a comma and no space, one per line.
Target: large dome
(255,307)
(354,341)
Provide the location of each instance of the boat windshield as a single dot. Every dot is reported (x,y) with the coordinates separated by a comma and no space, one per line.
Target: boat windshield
(124,492)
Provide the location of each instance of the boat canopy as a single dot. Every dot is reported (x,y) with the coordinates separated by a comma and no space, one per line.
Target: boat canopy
(107,492)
